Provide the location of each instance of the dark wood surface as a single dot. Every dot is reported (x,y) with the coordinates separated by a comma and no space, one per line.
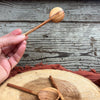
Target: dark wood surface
(74,43)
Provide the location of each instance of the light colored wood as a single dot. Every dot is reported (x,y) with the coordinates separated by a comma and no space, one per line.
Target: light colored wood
(35,28)
(38,10)
(40,94)
(56,15)
(73,45)
(51,79)
(72,91)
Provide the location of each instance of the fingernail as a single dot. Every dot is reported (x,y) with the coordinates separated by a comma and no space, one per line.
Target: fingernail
(26,38)
(17,31)
(24,42)
(22,36)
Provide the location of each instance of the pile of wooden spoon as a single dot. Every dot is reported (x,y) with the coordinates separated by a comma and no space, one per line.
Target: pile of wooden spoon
(49,93)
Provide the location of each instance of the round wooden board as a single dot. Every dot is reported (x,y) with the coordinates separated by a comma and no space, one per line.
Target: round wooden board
(86,89)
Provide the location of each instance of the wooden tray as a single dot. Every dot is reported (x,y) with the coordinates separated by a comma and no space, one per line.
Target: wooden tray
(75,86)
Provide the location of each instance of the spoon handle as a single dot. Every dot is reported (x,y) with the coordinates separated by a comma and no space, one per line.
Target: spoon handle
(22,89)
(52,82)
(56,15)
(55,86)
(35,28)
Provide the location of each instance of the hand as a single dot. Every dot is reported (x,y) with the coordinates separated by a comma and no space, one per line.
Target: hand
(12,48)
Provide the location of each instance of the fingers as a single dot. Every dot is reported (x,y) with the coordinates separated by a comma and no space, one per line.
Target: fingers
(5,64)
(14,45)
(3,74)
(9,49)
(12,38)
(16,32)
(14,59)
(26,38)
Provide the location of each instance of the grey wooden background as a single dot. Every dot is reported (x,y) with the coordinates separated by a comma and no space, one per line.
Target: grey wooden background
(74,43)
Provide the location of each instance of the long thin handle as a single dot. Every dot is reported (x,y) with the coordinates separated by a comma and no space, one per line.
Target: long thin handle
(54,85)
(35,28)
(21,88)
(52,82)
(48,20)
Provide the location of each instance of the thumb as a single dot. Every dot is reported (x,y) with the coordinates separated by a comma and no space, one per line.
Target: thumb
(11,39)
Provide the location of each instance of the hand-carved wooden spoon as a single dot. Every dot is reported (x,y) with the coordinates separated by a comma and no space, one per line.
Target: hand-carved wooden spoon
(55,86)
(56,15)
(48,93)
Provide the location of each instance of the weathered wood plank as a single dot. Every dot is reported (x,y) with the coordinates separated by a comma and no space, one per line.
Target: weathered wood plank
(38,10)
(73,45)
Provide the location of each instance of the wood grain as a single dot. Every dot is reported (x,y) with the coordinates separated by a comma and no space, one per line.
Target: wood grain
(73,45)
(38,10)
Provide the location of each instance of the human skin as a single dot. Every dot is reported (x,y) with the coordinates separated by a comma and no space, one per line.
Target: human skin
(12,48)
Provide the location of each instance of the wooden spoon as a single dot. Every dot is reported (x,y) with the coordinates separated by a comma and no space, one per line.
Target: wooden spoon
(48,93)
(55,86)
(56,15)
